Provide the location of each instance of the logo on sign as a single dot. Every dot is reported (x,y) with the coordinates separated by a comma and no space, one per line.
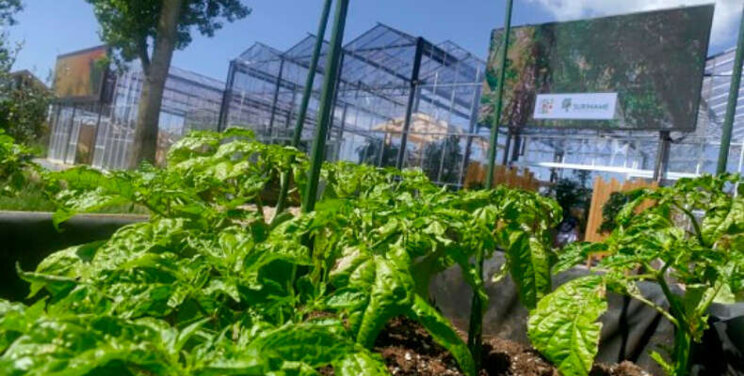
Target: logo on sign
(546,106)
(566,104)
(579,106)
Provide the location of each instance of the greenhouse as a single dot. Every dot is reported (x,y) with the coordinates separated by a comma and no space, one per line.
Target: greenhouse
(394,89)
(100,132)
(570,203)
(377,101)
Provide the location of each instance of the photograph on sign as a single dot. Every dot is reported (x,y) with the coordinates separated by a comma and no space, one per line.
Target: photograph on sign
(80,76)
(641,71)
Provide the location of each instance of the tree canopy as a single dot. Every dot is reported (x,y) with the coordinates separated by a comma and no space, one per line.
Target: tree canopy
(129,27)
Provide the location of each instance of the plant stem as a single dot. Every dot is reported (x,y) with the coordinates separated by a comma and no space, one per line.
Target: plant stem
(694,221)
(681,354)
(656,307)
(475,328)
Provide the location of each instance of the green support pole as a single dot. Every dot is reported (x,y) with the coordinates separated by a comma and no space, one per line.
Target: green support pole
(317,156)
(477,305)
(733,99)
(306,95)
(499,97)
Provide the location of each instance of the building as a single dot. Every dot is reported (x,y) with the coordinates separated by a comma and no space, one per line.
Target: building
(100,133)
(394,88)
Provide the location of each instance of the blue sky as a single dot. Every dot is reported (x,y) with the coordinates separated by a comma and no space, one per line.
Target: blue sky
(51,27)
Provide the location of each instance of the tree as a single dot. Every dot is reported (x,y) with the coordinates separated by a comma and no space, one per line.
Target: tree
(24,100)
(150,31)
(443,168)
(24,105)
(369,153)
(8,9)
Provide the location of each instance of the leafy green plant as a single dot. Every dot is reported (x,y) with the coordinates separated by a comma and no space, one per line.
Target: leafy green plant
(611,209)
(16,164)
(573,195)
(690,242)
(210,286)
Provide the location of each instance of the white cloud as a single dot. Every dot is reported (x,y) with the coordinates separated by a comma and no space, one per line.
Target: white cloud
(725,21)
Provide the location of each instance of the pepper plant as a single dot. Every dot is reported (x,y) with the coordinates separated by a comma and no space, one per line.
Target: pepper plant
(690,241)
(208,285)
(15,164)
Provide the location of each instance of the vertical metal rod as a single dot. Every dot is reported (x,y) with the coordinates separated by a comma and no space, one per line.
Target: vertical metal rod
(414,83)
(317,154)
(226,98)
(343,123)
(308,91)
(91,157)
(507,147)
(733,99)
(738,171)
(471,130)
(516,148)
(662,157)
(306,95)
(275,98)
(54,148)
(336,89)
(477,306)
(381,152)
(499,97)
(290,112)
(69,134)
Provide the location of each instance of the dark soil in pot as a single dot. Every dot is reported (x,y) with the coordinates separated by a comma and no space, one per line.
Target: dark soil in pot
(409,350)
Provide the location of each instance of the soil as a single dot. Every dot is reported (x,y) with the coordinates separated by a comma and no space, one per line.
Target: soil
(409,350)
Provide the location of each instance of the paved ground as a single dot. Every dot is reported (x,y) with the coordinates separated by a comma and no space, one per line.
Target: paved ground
(52,165)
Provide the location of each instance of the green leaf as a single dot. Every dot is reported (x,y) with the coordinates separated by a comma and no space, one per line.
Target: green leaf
(317,345)
(360,363)
(443,333)
(391,295)
(530,266)
(576,253)
(564,325)
(668,368)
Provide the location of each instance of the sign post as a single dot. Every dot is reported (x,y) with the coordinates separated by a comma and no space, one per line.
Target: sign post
(475,331)
(733,99)
(499,97)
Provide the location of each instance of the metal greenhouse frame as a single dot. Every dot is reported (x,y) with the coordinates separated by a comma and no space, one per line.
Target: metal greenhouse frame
(400,100)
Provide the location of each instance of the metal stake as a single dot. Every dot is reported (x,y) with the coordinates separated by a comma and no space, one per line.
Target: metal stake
(499,97)
(475,329)
(306,95)
(414,83)
(733,99)
(326,105)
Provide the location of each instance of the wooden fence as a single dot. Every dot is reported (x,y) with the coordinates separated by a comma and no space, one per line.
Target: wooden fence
(602,192)
(475,176)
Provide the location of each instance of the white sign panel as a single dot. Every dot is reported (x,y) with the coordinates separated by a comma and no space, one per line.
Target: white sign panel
(585,106)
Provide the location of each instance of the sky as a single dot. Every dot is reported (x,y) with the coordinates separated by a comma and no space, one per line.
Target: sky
(48,28)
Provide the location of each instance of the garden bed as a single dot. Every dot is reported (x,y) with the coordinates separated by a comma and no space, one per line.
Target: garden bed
(409,350)
(210,284)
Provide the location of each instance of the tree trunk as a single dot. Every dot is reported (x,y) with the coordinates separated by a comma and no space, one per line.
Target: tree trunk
(153,85)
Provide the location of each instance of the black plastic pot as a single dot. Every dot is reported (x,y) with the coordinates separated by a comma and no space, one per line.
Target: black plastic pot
(28,237)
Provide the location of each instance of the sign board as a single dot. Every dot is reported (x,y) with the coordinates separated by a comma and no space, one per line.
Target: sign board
(586,106)
(80,76)
(648,66)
